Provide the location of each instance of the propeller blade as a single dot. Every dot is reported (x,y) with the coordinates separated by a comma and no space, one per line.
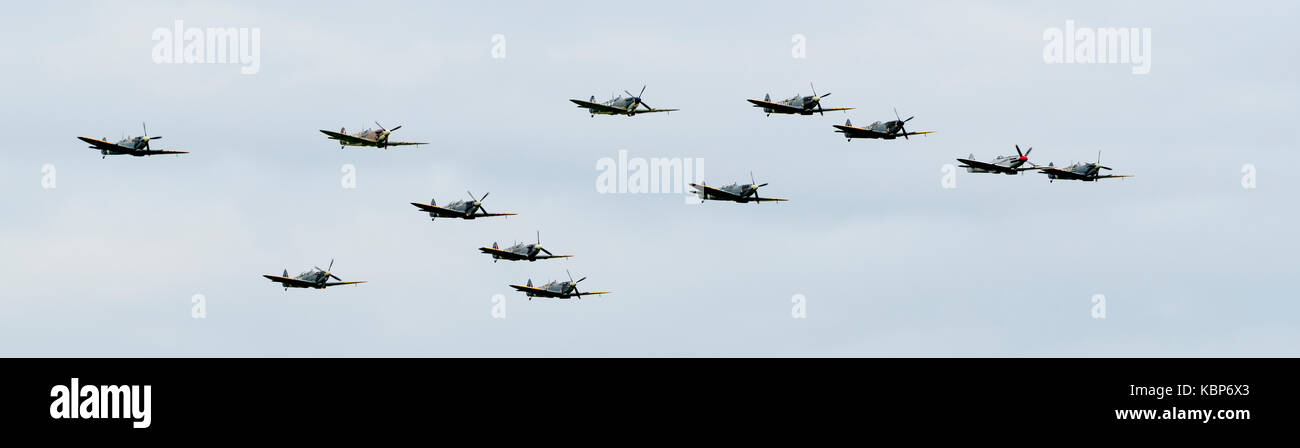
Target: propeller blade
(547,251)
(335,277)
(396,128)
(331,264)
(381,127)
(1104,168)
(539,237)
(896,115)
(566,271)
(760,186)
(579,281)
(642,91)
(1027,151)
(1021,154)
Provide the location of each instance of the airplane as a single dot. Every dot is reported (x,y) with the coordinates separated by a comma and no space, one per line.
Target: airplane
(459,209)
(521,251)
(734,192)
(316,278)
(367,137)
(1086,172)
(888,130)
(802,105)
(619,106)
(556,289)
(1001,164)
(132,146)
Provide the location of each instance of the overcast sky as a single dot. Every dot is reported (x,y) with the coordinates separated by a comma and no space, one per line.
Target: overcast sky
(890,262)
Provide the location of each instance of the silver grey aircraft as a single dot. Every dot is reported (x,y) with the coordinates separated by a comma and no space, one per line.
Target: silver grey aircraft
(887,130)
(1001,164)
(316,278)
(368,137)
(802,105)
(556,289)
(734,192)
(619,105)
(1086,172)
(131,146)
(521,251)
(460,209)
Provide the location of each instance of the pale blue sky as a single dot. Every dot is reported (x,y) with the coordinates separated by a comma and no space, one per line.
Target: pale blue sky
(890,262)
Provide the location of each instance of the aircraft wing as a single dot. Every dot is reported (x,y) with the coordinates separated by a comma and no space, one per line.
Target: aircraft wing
(489,215)
(854,131)
(539,292)
(650,111)
(777,107)
(1109,176)
(916,133)
(438,210)
(343,283)
(596,293)
(716,193)
(100,144)
(156,152)
(988,166)
(505,254)
(1063,174)
(758,199)
(287,281)
(597,107)
(405,143)
(348,138)
(547,257)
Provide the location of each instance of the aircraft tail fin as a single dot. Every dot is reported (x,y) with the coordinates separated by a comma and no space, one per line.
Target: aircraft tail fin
(494,245)
(286,273)
(530,283)
(593,99)
(848,122)
(767,97)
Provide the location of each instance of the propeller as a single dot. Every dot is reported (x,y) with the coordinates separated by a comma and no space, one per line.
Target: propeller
(1099,165)
(637,99)
(754,185)
(384,133)
(538,247)
(146,135)
(1024,156)
(573,286)
(478,203)
(327,271)
(817,99)
(902,122)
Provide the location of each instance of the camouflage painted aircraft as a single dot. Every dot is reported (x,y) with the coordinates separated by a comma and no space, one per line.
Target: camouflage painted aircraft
(459,209)
(316,278)
(1001,164)
(734,192)
(1086,172)
(368,137)
(802,105)
(131,146)
(619,105)
(521,251)
(556,289)
(888,130)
